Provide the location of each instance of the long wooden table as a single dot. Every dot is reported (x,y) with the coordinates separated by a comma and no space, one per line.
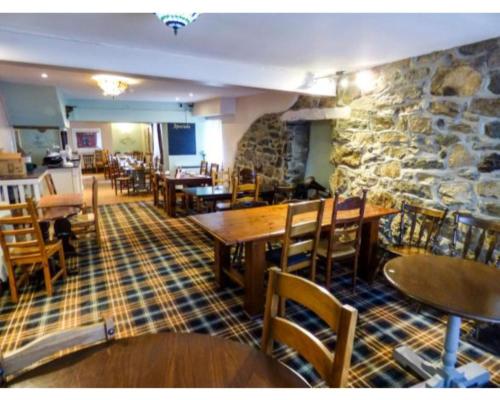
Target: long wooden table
(255,226)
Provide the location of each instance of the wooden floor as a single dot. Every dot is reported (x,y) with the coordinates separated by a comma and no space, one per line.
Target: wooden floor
(106,194)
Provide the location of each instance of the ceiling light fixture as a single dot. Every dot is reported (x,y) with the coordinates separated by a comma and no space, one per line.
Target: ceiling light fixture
(44,75)
(365,80)
(176,21)
(191,94)
(112,85)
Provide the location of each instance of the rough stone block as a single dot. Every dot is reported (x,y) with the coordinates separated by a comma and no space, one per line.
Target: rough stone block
(462,80)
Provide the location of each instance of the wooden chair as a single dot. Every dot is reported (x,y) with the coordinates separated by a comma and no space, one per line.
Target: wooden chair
(107,163)
(204,168)
(119,180)
(99,160)
(139,181)
(421,238)
(241,193)
(300,242)
(478,230)
(222,178)
(344,238)
(88,162)
(19,360)
(49,182)
(23,247)
(246,175)
(88,221)
(214,170)
(332,367)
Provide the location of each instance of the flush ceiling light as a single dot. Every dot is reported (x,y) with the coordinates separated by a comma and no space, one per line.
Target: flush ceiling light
(344,83)
(365,80)
(112,85)
(44,75)
(176,21)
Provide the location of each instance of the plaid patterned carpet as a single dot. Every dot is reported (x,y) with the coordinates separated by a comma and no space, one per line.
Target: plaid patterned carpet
(154,273)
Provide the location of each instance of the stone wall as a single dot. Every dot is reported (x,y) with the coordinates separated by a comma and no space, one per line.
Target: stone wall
(428,133)
(277,145)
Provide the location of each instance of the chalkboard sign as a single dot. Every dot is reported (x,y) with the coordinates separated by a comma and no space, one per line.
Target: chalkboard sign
(181,139)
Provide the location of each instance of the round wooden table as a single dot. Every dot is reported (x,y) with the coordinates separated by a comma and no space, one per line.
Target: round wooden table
(460,288)
(164,360)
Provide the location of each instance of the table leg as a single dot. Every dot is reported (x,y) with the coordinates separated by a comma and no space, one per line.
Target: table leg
(444,375)
(222,257)
(170,190)
(368,250)
(255,267)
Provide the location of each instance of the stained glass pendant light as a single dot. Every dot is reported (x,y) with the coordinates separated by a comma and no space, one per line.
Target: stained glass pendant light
(176,21)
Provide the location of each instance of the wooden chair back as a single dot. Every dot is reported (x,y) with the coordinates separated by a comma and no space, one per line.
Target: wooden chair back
(88,161)
(341,319)
(49,182)
(347,230)
(302,231)
(483,232)
(429,224)
(21,231)
(11,364)
(245,192)
(148,158)
(99,156)
(214,172)
(138,155)
(345,233)
(246,175)
(223,177)
(204,168)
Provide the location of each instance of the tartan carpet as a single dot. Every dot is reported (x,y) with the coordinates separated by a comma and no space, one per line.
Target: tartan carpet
(153,273)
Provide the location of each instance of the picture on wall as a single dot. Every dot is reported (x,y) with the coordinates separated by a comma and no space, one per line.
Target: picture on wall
(87,138)
(181,139)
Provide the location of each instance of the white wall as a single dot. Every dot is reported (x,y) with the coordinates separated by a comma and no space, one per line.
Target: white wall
(248,109)
(7,142)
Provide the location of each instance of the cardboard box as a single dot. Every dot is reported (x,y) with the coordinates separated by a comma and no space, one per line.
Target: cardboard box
(12,165)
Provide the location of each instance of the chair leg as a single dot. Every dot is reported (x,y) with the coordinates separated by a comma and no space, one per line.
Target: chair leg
(62,262)
(328,273)
(98,234)
(47,278)
(313,273)
(12,285)
(355,273)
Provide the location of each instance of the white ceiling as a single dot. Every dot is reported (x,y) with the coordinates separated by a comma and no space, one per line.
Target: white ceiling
(274,51)
(78,84)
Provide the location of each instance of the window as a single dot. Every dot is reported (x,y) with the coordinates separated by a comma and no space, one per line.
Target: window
(213,140)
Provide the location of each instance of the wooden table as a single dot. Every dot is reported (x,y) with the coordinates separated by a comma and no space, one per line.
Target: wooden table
(460,288)
(256,226)
(163,360)
(187,180)
(61,200)
(221,193)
